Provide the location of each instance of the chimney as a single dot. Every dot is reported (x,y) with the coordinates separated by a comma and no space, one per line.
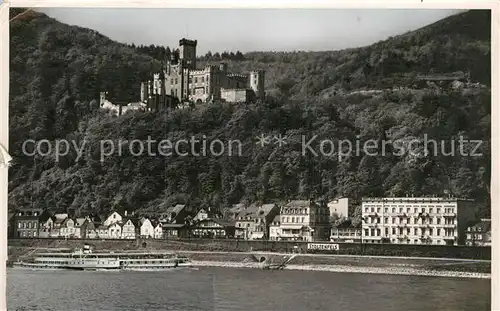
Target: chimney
(125,213)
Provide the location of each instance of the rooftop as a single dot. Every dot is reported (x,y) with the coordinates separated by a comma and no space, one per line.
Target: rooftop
(413,199)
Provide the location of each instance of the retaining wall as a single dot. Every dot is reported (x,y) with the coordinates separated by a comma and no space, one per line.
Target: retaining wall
(441,251)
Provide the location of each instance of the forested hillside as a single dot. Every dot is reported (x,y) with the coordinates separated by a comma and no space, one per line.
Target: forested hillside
(57,72)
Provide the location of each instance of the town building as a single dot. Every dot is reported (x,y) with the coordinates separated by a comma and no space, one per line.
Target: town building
(181,81)
(88,229)
(246,222)
(79,221)
(304,220)
(416,220)
(175,215)
(130,228)
(479,234)
(114,231)
(67,228)
(214,228)
(26,223)
(204,214)
(201,215)
(146,228)
(173,230)
(345,234)
(59,219)
(102,232)
(264,217)
(46,225)
(274,229)
(233,212)
(112,218)
(158,229)
(339,207)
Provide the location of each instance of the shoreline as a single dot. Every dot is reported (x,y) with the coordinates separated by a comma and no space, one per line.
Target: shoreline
(349,269)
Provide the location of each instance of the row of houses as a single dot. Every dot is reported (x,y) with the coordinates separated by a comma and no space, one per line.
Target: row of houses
(295,220)
(174,222)
(425,220)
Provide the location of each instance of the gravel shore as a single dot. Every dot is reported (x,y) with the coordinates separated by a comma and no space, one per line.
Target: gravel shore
(351,269)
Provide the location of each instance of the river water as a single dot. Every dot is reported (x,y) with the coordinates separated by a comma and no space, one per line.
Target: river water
(220,289)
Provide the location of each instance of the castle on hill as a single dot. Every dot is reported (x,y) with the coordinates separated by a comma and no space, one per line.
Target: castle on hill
(180,81)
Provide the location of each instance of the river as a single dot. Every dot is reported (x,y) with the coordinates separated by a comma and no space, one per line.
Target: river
(220,289)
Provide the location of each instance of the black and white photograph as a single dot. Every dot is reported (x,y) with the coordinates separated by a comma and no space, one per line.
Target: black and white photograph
(249,159)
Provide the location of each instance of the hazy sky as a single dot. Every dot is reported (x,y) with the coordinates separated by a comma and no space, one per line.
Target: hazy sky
(250,29)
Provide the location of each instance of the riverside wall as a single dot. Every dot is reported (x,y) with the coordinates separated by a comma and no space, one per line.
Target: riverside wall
(233,245)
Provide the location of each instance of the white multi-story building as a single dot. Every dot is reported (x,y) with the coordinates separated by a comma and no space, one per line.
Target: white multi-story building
(339,207)
(304,221)
(411,220)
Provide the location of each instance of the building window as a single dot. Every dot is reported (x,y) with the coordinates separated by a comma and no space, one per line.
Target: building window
(195,79)
(393,210)
(202,79)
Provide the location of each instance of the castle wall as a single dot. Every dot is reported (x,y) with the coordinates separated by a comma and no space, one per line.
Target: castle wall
(236,95)
(183,81)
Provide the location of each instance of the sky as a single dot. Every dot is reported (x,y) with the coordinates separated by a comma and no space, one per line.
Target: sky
(248,30)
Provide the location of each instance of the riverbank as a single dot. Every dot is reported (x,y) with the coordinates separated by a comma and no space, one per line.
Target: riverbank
(425,266)
(437,267)
(350,269)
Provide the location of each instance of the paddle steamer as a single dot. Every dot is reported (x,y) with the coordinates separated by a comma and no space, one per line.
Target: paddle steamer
(85,259)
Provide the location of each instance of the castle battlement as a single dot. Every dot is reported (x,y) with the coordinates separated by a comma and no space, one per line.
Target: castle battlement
(237,75)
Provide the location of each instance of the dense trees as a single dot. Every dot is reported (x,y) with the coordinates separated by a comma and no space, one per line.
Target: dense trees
(58,72)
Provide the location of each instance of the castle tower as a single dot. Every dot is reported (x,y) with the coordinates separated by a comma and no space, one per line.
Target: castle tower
(188,53)
(144,92)
(257,83)
(156,83)
(102,98)
(223,67)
